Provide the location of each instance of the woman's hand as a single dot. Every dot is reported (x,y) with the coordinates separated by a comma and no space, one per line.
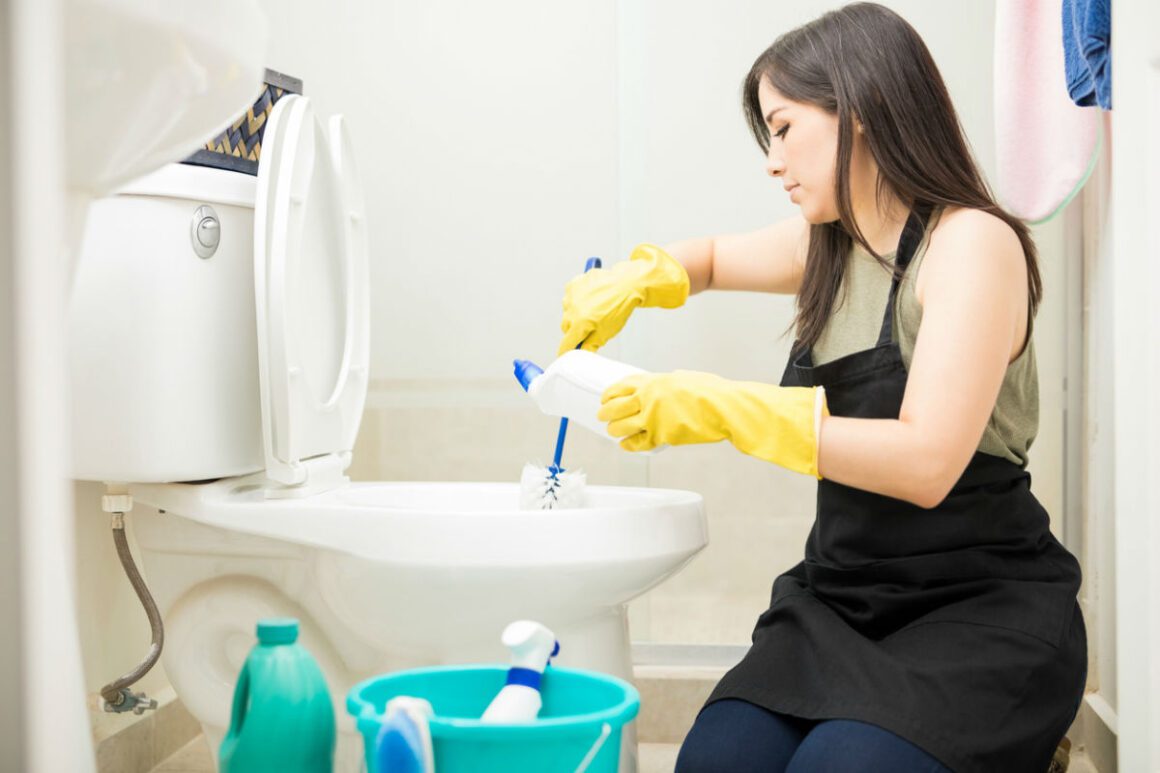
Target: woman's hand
(599,302)
(777,424)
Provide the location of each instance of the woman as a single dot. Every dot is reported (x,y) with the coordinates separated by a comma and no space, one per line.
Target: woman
(933,624)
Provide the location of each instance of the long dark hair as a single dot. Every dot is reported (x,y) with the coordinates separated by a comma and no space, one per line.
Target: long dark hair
(866,61)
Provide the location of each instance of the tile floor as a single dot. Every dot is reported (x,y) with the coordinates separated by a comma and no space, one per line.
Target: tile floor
(195,758)
(654,758)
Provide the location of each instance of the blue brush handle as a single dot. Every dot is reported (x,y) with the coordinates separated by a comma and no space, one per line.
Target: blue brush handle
(556,469)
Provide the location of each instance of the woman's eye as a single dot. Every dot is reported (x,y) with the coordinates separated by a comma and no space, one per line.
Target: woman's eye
(781,132)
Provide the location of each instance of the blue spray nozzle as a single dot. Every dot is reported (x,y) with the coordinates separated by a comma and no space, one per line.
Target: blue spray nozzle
(526,372)
(591,264)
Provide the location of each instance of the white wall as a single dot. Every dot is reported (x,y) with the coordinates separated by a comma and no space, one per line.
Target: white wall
(51,733)
(1136,376)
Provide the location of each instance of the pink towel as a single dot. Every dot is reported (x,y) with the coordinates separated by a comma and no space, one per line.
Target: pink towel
(1045,145)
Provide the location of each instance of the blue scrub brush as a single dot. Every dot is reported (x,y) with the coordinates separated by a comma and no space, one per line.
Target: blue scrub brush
(554,488)
(404,741)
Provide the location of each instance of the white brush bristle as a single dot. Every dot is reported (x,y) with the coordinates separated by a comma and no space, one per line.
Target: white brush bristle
(539,490)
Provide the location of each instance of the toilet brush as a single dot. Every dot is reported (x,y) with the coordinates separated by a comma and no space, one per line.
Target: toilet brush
(553,487)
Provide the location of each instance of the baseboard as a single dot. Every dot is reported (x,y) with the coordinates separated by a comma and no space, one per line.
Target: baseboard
(1094,733)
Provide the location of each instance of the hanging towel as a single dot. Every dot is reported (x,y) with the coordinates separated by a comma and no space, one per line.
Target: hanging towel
(1045,146)
(1087,51)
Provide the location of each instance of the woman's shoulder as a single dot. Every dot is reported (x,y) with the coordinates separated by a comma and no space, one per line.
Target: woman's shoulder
(977,228)
(970,244)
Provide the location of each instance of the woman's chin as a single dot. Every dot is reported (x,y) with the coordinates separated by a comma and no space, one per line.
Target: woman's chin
(815,216)
(812,216)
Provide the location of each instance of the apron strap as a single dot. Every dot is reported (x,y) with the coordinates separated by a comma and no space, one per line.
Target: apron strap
(912,234)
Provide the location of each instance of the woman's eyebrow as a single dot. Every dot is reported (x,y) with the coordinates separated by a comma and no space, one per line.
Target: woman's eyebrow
(769,115)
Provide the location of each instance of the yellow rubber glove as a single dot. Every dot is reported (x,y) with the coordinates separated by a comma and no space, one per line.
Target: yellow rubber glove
(599,302)
(777,424)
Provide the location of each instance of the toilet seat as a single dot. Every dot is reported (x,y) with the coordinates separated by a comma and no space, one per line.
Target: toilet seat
(311,295)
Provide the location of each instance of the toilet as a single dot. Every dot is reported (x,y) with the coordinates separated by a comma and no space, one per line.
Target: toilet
(219,353)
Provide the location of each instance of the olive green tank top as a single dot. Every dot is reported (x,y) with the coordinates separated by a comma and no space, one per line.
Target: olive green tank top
(854,325)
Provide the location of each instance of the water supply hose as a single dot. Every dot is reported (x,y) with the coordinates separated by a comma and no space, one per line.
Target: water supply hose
(118,697)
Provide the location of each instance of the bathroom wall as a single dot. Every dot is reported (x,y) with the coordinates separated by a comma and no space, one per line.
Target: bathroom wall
(502,144)
(506,158)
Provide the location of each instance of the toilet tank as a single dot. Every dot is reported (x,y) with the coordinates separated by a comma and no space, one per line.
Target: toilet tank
(162,332)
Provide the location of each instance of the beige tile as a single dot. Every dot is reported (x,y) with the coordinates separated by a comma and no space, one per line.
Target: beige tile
(657,757)
(1080,764)
(106,724)
(366,457)
(130,750)
(173,728)
(716,599)
(194,757)
(670,699)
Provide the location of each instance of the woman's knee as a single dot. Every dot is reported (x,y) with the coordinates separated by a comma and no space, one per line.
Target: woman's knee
(739,737)
(849,746)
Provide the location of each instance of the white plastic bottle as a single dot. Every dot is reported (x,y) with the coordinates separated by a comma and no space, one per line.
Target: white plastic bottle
(532,646)
(572,385)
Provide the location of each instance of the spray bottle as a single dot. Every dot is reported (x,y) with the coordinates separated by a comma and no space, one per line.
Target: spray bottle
(572,386)
(532,646)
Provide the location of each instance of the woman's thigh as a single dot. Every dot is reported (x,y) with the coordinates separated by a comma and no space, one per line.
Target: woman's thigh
(848,746)
(739,737)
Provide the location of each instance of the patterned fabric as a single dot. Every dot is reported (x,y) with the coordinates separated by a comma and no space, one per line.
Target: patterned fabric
(239,147)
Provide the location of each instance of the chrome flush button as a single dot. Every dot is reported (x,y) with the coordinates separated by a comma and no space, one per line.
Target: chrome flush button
(205,231)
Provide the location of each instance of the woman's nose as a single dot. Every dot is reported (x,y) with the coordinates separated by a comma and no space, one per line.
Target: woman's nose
(774,166)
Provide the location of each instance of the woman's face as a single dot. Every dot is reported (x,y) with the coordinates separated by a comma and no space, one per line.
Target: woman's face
(803,150)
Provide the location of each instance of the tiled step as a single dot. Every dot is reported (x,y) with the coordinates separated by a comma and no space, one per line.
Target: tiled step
(194,757)
(670,697)
(657,757)
(131,743)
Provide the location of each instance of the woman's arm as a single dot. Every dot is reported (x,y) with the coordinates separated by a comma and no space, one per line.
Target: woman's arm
(770,260)
(973,291)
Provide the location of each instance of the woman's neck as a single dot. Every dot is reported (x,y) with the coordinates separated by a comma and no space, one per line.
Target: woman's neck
(880,220)
(881,226)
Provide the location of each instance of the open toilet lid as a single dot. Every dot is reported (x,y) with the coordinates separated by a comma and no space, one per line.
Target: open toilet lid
(310,287)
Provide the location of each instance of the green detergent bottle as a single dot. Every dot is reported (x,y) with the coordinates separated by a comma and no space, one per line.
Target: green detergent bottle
(283,719)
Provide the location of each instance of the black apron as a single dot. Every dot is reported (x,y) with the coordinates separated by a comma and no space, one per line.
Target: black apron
(956,627)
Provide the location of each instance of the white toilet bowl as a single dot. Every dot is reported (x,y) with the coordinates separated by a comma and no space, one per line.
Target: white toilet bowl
(393,575)
(245,367)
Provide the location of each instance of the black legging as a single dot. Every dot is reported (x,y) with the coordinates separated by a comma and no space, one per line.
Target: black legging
(732,736)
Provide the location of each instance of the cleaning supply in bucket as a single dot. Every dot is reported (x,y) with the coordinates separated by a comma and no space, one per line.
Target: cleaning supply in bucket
(552,487)
(282,719)
(578,730)
(404,743)
(532,646)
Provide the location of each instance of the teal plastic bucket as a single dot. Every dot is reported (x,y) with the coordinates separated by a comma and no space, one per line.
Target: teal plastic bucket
(578,729)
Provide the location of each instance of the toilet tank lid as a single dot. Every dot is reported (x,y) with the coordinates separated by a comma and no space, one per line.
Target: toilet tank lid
(195,183)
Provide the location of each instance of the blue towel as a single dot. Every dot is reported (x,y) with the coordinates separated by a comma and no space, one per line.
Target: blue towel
(1087,51)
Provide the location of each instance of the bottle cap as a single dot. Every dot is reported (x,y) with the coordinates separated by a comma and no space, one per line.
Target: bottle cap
(277,630)
(526,372)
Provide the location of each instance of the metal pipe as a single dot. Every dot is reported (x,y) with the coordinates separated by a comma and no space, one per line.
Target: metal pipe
(118,697)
